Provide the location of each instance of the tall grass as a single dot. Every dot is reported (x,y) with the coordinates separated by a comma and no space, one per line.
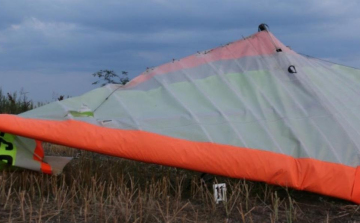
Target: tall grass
(97,188)
(15,103)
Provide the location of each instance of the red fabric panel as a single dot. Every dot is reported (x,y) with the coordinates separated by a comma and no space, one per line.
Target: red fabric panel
(38,152)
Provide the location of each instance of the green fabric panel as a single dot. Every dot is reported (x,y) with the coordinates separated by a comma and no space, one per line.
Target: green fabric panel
(81,114)
(191,97)
(351,73)
(156,108)
(225,99)
(153,103)
(256,103)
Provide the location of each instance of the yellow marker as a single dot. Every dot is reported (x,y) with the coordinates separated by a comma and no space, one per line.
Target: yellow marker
(7,148)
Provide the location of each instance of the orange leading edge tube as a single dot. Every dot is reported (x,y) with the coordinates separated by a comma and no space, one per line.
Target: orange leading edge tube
(299,173)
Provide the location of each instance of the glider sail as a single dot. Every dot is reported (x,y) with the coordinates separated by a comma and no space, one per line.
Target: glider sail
(28,153)
(251,109)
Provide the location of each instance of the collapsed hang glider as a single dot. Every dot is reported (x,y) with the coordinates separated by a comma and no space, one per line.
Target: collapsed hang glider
(251,109)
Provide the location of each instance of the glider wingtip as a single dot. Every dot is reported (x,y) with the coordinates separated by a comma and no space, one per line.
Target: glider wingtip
(57,163)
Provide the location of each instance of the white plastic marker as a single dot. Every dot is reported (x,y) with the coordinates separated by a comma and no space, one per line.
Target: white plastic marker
(219,192)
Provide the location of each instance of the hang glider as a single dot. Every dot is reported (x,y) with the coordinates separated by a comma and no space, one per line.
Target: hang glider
(251,109)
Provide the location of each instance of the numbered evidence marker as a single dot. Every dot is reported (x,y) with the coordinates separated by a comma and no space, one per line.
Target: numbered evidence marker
(219,192)
(7,149)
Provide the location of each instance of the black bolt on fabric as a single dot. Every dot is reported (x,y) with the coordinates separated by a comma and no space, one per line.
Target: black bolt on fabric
(292,69)
(263,27)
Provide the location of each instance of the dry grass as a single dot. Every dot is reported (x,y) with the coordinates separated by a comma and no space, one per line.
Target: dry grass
(96,188)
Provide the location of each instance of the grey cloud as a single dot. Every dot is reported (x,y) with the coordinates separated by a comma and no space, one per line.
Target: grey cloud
(78,37)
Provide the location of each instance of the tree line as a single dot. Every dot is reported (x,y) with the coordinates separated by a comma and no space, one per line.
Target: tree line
(18,102)
(15,103)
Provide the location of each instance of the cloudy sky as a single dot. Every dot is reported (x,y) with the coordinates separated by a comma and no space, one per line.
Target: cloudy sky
(51,47)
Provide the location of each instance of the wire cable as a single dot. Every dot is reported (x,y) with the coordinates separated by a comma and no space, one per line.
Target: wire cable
(328,61)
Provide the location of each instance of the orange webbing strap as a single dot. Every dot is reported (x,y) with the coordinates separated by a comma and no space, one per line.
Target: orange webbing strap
(39,151)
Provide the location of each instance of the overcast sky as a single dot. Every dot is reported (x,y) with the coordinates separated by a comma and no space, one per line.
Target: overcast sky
(51,47)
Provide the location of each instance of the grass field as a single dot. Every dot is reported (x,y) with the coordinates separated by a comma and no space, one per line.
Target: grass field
(97,188)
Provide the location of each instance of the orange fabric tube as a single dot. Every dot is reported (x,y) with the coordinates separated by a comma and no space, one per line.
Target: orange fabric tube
(254,164)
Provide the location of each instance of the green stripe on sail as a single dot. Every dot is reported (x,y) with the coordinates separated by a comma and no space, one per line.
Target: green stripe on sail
(82,114)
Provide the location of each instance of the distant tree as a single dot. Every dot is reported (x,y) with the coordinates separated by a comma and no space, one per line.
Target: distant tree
(59,97)
(110,77)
